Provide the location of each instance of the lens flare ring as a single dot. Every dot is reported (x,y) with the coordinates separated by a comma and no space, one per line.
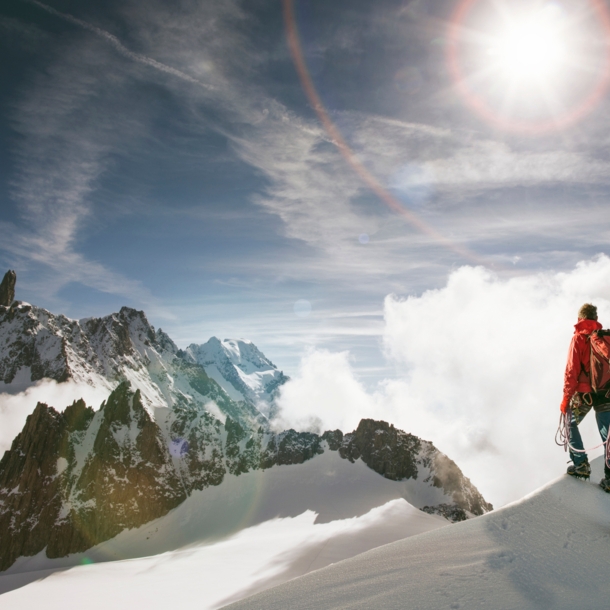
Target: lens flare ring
(294,45)
(524,50)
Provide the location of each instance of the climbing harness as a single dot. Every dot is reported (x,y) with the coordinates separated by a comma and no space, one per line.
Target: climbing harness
(562,436)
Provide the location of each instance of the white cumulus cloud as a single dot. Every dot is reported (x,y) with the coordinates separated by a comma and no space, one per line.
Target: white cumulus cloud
(14,408)
(479,373)
(324,395)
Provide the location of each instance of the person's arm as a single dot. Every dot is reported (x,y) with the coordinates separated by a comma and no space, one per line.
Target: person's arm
(571,375)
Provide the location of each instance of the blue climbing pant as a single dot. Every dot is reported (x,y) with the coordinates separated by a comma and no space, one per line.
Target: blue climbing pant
(603,424)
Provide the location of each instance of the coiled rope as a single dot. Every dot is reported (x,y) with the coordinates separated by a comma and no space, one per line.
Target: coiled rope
(562,436)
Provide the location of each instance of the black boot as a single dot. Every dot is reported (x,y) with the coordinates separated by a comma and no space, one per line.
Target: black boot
(580,471)
(605,484)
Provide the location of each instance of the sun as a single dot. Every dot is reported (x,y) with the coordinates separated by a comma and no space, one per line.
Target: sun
(530,65)
(531,47)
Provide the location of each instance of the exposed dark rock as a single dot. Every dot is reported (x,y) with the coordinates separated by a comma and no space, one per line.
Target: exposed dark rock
(291,447)
(447,475)
(388,451)
(7,288)
(197,448)
(398,455)
(52,497)
(449,511)
(29,489)
(334,438)
(74,479)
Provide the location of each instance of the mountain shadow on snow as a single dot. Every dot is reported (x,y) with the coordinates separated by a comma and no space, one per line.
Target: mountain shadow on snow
(175,421)
(74,479)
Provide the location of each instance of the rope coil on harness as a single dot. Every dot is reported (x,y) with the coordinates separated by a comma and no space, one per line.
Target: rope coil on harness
(562,436)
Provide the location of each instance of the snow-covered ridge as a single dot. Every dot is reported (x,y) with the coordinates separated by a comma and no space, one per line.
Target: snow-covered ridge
(520,557)
(78,478)
(548,550)
(102,352)
(240,368)
(310,515)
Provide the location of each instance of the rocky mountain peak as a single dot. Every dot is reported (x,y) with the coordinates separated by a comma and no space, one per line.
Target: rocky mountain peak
(7,288)
(240,368)
(73,479)
(77,478)
(398,455)
(166,342)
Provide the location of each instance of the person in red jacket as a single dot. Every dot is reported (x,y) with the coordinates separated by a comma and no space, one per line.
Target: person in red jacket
(579,397)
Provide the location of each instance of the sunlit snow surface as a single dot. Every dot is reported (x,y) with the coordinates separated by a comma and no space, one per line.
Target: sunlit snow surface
(549,550)
(252,532)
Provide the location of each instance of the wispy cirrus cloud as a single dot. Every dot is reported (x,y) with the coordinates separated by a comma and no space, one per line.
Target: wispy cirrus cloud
(119,46)
(63,151)
(204,59)
(461,158)
(73,119)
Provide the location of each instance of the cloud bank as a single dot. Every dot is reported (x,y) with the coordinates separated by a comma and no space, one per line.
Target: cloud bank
(479,370)
(14,408)
(479,373)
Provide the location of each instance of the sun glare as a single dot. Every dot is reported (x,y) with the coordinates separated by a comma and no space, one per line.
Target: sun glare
(531,48)
(531,65)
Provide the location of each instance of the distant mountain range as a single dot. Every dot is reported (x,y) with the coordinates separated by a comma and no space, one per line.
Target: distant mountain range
(231,375)
(175,421)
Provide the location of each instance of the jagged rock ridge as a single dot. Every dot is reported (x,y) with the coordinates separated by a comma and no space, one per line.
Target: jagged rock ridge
(77,478)
(233,374)
(106,351)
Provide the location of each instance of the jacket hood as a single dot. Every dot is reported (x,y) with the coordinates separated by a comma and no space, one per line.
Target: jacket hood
(587,326)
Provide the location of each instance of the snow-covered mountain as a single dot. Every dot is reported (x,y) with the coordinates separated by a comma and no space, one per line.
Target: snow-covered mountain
(240,368)
(256,529)
(168,429)
(549,550)
(74,479)
(103,352)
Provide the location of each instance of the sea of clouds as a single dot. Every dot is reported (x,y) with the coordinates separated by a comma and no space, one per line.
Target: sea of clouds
(480,367)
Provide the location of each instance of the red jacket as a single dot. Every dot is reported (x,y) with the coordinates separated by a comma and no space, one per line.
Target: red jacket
(577,369)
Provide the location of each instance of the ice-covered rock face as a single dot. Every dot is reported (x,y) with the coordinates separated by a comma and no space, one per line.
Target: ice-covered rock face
(240,368)
(39,344)
(77,478)
(103,352)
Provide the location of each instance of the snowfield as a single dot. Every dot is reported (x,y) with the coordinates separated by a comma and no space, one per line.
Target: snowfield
(252,532)
(549,550)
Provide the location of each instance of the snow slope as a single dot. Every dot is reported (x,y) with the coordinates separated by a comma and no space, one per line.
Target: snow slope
(252,532)
(102,352)
(549,550)
(240,368)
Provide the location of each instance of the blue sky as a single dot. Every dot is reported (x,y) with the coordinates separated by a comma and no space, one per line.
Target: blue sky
(163,155)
